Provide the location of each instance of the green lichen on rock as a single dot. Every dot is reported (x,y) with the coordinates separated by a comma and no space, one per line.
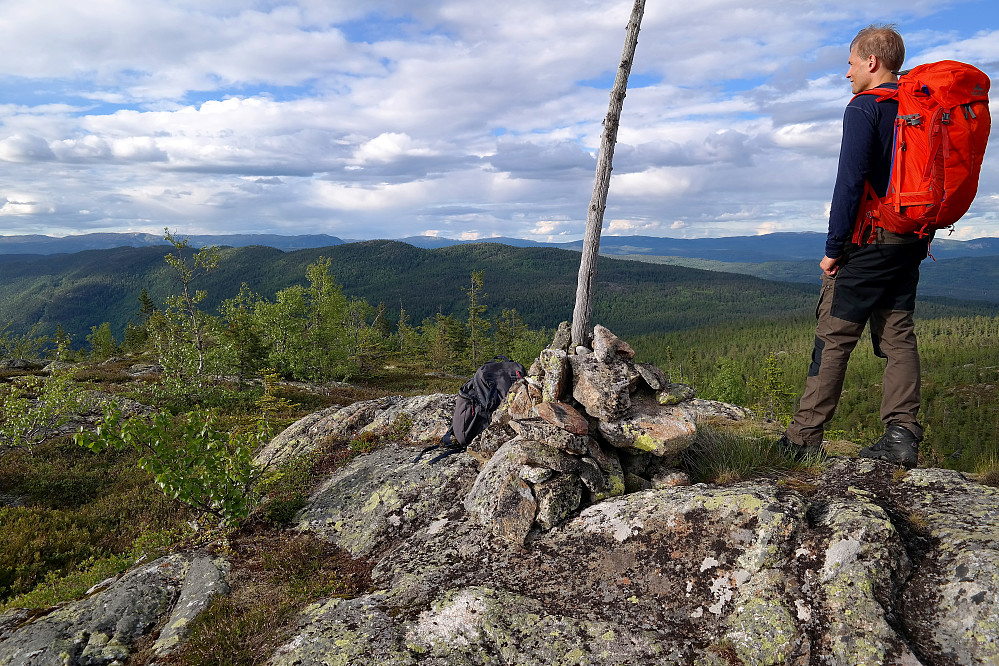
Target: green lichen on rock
(762,629)
(467,625)
(382,497)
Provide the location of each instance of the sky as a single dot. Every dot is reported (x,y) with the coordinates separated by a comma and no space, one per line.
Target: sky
(460,118)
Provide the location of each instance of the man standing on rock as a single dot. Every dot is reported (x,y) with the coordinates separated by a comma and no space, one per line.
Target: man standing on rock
(874,282)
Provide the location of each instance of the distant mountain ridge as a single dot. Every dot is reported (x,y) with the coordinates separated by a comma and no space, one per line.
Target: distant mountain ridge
(83,289)
(38,244)
(783,246)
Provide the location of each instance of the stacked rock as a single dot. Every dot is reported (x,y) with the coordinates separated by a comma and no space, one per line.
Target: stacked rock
(585,424)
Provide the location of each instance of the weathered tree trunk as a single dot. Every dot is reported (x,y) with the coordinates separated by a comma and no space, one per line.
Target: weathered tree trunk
(582,332)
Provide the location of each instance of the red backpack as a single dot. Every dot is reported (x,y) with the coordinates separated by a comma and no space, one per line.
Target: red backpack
(941,130)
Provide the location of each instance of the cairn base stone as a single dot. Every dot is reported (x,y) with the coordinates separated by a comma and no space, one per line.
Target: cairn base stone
(538,430)
(651,428)
(558,499)
(500,499)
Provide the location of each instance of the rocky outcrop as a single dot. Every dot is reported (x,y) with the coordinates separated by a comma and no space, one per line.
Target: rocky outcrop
(865,564)
(861,568)
(565,428)
(565,539)
(104,627)
(427,419)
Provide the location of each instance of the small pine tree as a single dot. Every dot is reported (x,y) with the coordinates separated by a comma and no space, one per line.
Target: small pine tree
(478,325)
(774,398)
(62,340)
(728,384)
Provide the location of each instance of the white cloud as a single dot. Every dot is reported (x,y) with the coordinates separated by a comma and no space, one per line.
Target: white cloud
(474,119)
(25,148)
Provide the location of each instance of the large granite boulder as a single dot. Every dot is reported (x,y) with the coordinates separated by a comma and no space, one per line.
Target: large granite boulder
(378,499)
(428,418)
(104,627)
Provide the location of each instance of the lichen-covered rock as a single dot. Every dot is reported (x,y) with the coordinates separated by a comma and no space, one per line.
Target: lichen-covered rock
(103,628)
(469,625)
(538,430)
(717,411)
(607,346)
(523,399)
(344,632)
(204,581)
(863,566)
(951,602)
(428,418)
(603,389)
(653,377)
(534,475)
(555,375)
(563,337)
(542,455)
(610,466)
(649,427)
(564,416)
(488,442)
(674,394)
(383,497)
(558,498)
(499,499)
(696,574)
(669,478)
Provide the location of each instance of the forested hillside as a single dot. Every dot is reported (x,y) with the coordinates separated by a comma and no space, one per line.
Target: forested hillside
(970,278)
(81,290)
(765,364)
(84,289)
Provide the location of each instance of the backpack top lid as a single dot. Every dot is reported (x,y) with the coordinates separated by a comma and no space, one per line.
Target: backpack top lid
(948,82)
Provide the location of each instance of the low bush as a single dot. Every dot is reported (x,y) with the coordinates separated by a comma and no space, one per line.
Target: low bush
(81,509)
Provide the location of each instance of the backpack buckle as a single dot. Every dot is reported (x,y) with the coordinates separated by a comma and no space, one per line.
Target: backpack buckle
(911,119)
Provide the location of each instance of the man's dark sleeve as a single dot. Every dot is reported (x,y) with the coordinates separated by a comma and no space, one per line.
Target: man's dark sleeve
(859,139)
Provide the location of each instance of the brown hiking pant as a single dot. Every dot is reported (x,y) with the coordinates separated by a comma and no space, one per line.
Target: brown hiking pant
(877,284)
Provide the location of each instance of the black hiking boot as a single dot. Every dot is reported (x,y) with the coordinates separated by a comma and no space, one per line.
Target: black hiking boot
(800,452)
(897,445)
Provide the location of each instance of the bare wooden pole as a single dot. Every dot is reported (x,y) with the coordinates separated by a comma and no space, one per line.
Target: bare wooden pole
(582,332)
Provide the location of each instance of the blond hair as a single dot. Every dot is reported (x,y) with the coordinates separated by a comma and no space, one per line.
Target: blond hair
(882,41)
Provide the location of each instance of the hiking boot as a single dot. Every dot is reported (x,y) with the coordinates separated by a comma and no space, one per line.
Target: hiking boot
(800,452)
(898,445)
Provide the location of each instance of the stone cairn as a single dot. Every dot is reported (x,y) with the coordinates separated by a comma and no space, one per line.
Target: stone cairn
(583,426)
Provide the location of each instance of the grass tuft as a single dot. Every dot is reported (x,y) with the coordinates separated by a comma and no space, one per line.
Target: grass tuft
(721,456)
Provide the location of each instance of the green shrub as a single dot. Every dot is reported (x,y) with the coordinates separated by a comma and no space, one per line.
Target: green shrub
(190,458)
(34,406)
(56,588)
(285,491)
(81,507)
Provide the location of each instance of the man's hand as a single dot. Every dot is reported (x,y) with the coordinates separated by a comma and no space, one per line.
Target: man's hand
(829,266)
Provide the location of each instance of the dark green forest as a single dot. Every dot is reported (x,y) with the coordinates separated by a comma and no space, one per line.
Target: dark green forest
(263,308)
(80,290)
(970,278)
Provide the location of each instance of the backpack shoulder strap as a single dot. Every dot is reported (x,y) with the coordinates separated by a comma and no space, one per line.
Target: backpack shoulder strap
(884,94)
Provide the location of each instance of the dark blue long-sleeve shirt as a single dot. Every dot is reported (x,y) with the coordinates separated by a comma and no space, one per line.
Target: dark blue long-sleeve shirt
(865,154)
